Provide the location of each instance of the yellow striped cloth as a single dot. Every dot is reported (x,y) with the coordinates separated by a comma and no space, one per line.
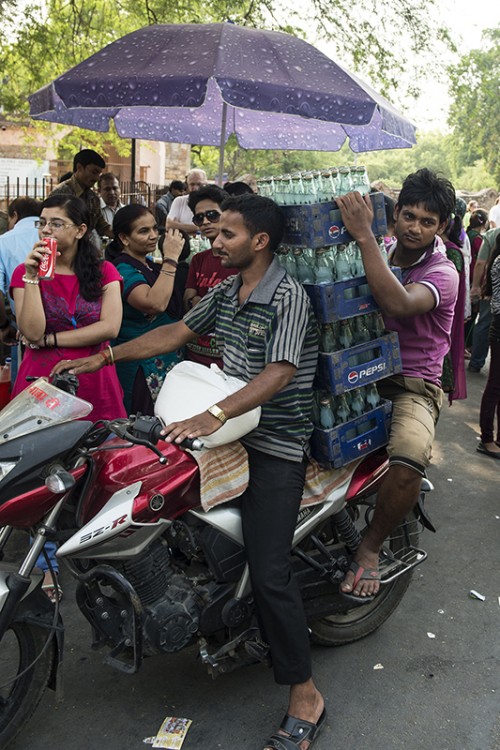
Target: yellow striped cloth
(224,476)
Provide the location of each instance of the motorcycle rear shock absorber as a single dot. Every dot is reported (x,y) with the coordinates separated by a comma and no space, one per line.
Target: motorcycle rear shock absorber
(347,531)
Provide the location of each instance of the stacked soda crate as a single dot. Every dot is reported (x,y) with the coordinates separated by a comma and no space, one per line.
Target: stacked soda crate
(350,418)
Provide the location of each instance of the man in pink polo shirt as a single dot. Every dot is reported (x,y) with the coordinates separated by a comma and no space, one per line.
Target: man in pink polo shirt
(421,311)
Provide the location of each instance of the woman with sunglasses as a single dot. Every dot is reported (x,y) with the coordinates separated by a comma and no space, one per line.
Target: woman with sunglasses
(73,315)
(152,297)
(205,270)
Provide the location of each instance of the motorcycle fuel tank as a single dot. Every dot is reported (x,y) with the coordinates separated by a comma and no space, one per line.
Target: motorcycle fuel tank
(167,490)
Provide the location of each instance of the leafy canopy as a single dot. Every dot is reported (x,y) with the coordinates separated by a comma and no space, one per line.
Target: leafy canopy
(475,112)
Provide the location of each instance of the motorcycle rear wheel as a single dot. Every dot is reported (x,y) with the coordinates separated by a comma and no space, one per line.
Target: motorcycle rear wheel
(19,648)
(360,621)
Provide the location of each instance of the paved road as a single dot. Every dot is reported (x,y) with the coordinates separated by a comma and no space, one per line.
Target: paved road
(433,693)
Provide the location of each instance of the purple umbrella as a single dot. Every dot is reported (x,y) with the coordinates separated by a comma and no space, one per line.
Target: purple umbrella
(199,83)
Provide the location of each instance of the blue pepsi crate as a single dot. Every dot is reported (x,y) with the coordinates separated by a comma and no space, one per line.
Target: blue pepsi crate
(359,365)
(354,439)
(321,225)
(343,299)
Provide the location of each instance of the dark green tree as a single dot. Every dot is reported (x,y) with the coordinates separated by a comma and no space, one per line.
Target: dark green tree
(475,111)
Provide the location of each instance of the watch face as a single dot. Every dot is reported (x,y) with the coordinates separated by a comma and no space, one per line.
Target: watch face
(217,413)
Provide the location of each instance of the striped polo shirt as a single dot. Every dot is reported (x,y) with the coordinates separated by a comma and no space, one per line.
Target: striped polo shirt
(274,324)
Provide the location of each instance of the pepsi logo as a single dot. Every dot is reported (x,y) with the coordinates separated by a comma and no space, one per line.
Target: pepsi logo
(352,377)
(334,231)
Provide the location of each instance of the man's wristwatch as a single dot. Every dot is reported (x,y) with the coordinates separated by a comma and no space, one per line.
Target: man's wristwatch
(217,412)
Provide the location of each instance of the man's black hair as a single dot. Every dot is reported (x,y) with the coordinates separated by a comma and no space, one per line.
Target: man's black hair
(206,193)
(436,194)
(88,156)
(24,207)
(106,177)
(177,185)
(237,188)
(259,214)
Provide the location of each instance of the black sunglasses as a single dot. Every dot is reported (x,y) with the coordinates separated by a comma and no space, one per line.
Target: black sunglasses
(212,216)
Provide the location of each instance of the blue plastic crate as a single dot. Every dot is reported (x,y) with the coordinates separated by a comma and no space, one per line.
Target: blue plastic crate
(343,299)
(321,225)
(360,365)
(347,442)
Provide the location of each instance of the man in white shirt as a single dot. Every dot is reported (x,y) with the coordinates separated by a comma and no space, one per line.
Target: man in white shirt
(494,215)
(180,215)
(109,193)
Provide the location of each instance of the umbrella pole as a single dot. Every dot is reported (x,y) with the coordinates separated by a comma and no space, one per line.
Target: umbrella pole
(133,162)
(222,143)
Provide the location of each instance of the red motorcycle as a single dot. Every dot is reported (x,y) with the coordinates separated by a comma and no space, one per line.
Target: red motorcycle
(153,570)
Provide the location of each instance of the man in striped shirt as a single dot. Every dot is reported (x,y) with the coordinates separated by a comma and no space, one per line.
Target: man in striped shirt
(269,339)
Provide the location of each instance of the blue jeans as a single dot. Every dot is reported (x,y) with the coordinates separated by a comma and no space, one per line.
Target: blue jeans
(480,344)
(50,549)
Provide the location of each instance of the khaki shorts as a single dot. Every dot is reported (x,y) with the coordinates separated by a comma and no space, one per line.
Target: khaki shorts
(415,411)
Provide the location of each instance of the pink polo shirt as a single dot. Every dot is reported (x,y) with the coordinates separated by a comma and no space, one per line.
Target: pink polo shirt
(424,340)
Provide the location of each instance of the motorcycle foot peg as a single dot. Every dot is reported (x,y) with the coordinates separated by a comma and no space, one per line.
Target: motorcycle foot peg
(258,649)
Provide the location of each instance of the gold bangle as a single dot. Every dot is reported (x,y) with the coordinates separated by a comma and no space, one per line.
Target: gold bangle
(27,280)
(111,355)
(167,273)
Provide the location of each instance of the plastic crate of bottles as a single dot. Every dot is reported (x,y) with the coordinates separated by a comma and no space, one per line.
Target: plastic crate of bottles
(338,300)
(359,365)
(346,442)
(321,225)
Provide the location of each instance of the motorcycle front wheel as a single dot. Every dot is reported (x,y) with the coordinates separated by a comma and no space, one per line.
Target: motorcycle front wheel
(23,676)
(360,621)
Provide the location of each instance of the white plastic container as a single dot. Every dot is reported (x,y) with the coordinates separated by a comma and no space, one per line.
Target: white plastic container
(191,388)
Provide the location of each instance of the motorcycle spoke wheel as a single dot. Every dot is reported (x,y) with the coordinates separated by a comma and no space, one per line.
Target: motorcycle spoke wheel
(359,621)
(22,682)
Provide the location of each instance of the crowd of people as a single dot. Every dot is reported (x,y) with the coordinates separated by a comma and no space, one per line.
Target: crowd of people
(121,316)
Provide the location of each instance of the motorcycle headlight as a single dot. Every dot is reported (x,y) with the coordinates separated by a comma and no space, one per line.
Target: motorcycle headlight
(6,467)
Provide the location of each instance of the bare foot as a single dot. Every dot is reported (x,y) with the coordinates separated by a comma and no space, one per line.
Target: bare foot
(364,580)
(53,591)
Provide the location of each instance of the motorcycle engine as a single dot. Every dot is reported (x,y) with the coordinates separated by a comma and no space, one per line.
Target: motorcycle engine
(171,605)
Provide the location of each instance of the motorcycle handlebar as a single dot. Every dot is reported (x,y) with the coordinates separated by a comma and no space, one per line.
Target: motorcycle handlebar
(148,429)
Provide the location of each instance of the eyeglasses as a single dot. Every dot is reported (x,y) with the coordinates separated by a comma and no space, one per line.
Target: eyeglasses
(212,216)
(54,225)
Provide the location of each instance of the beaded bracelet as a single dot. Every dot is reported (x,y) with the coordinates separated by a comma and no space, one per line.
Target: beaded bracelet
(27,280)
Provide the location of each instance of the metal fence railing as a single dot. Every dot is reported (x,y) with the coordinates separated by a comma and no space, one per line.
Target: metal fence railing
(131,192)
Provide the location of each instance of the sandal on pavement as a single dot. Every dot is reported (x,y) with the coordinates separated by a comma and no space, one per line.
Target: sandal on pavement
(297,732)
(54,593)
(481,448)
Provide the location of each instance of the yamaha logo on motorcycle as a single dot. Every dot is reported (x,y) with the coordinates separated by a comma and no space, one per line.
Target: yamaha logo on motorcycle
(154,571)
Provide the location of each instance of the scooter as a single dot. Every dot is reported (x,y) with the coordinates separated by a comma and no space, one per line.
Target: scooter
(155,572)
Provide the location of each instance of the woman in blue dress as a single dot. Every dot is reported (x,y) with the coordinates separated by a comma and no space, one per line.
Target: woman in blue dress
(152,297)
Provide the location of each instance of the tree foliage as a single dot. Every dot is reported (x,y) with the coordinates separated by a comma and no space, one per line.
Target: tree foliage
(433,150)
(46,37)
(475,112)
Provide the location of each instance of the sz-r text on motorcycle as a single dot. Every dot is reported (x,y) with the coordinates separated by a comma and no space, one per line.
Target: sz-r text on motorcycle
(154,571)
